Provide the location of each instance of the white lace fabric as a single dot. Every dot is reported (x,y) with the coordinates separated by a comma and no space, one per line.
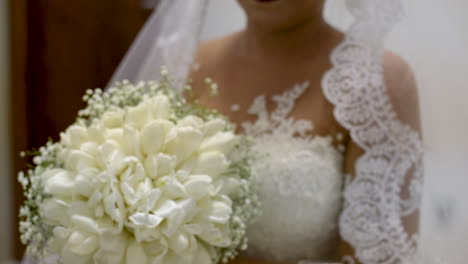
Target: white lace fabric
(372,219)
(299,183)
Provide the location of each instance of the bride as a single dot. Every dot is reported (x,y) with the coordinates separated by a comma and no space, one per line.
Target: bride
(274,53)
(336,116)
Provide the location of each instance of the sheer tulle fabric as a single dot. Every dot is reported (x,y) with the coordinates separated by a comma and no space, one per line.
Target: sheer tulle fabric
(169,38)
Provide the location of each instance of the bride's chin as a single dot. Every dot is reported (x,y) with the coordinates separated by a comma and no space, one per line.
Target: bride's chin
(260,3)
(281,14)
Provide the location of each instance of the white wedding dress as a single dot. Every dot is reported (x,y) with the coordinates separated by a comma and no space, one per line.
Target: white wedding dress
(300,182)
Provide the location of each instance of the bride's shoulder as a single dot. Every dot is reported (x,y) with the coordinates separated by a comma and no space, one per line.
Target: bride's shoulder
(211,51)
(402,88)
(209,60)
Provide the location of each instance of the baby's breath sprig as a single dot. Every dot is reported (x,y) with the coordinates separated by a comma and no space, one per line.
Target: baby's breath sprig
(34,231)
(124,95)
(212,86)
(246,203)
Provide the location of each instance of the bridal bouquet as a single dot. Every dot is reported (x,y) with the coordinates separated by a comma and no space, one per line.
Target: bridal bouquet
(142,176)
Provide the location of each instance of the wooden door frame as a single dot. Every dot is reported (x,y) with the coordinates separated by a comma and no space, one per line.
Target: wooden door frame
(18,32)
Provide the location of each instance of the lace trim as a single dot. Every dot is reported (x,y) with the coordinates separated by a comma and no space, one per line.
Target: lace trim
(278,122)
(374,205)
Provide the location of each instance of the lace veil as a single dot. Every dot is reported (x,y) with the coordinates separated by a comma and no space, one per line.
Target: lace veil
(386,189)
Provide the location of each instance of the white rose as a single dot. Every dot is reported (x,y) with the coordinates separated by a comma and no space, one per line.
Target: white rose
(131,141)
(183,142)
(217,235)
(230,185)
(81,243)
(214,126)
(218,211)
(201,255)
(113,119)
(135,253)
(112,248)
(160,107)
(60,184)
(160,164)
(90,148)
(84,185)
(198,186)
(191,121)
(53,210)
(74,136)
(69,257)
(139,115)
(152,166)
(78,160)
(110,156)
(212,163)
(114,207)
(97,133)
(173,188)
(115,134)
(223,142)
(153,136)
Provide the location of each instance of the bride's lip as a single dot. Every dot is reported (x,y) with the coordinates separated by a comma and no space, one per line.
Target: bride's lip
(265,1)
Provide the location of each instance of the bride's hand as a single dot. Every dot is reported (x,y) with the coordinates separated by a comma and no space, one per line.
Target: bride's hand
(242,260)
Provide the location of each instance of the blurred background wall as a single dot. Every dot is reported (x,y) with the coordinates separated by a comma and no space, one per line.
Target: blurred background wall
(5,189)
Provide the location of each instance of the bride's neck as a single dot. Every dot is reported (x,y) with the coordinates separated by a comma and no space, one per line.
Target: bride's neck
(310,37)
